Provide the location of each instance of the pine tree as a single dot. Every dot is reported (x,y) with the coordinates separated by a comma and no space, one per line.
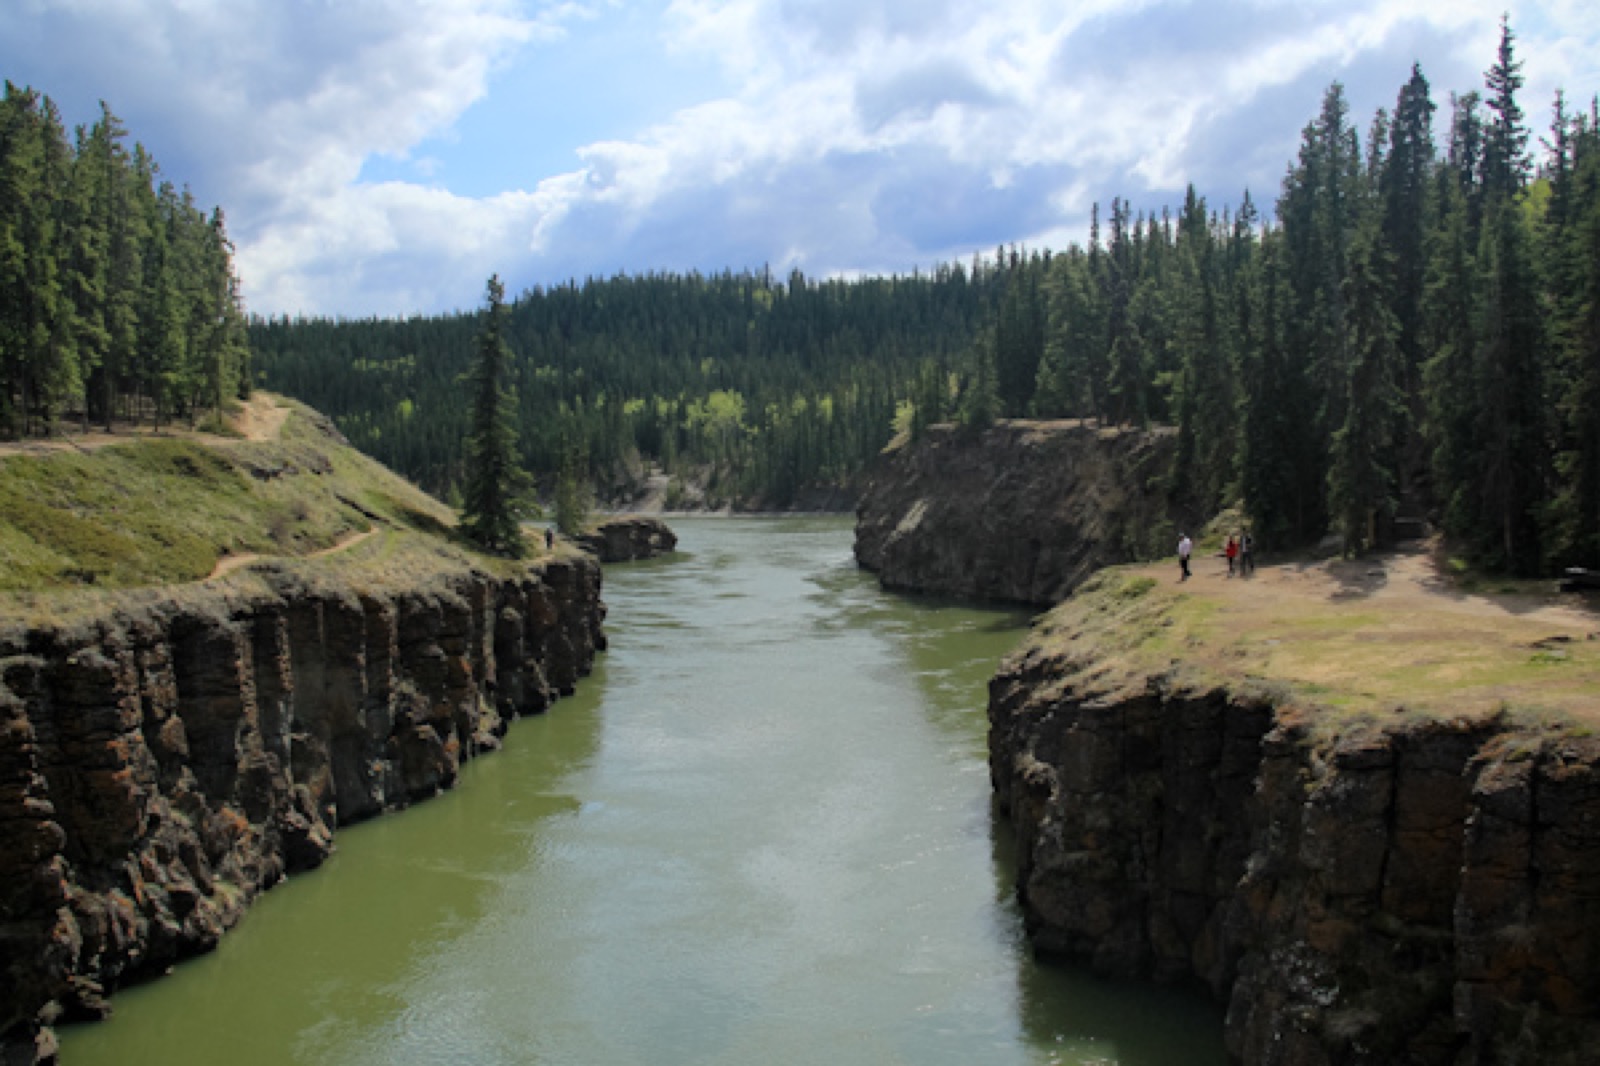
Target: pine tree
(1505,149)
(1574,518)
(85,260)
(980,400)
(497,491)
(572,494)
(1404,191)
(1361,472)
(1279,451)
(1207,441)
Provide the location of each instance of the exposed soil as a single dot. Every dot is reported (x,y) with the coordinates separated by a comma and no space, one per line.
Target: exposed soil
(259,418)
(1392,631)
(229,563)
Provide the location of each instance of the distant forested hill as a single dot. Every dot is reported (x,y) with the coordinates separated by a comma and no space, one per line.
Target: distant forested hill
(1413,334)
(764,385)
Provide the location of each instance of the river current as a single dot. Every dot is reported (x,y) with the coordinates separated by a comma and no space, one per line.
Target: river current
(759,833)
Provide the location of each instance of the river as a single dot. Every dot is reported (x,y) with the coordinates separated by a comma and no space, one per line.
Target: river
(758,833)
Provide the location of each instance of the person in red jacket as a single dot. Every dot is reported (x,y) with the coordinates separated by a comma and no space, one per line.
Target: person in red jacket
(1232,552)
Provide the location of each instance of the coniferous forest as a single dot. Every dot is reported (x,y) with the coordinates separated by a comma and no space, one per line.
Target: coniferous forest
(1414,332)
(117,293)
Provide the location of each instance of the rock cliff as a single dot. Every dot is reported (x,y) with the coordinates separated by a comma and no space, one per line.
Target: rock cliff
(165,759)
(628,537)
(1422,889)
(1021,512)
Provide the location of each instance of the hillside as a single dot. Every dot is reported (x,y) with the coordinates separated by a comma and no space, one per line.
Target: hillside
(138,509)
(213,654)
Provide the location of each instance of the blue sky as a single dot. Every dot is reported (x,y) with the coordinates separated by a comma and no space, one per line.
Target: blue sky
(386,156)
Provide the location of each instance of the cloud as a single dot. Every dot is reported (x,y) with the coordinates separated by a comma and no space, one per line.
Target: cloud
(838,135)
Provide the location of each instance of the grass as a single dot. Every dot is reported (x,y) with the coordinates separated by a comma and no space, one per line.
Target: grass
(1395,636)
(164,512)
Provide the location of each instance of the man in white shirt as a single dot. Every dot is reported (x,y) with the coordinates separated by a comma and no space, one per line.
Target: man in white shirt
(1185,547)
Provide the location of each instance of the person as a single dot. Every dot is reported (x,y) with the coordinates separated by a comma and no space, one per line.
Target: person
(1185,546)
(549,538)
(1231,551)
(1247,555)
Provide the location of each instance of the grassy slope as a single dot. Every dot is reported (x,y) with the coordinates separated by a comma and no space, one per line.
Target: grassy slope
(79,526)
(1359,639)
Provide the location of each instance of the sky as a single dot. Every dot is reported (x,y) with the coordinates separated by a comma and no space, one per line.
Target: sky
(385,157)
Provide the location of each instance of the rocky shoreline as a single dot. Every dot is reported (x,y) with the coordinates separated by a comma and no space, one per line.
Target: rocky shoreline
(625,538)
(1020,512)
(1370,888)
(162,764)
(1421,891)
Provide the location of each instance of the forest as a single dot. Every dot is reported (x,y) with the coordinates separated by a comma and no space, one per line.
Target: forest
(118,297)
(1411,333)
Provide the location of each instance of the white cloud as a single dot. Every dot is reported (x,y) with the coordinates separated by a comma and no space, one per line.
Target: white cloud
(854,134)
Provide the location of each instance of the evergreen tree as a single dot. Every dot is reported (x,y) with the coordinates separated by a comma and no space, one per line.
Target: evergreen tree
(572,494)
(980,400)
(1072,370)
(497,490)
(1576,511)
(1207,441)
(1361,473)
(1505,149)
(1404,189)
(1279,451)
(1019,339)
(85,260)
(1319,212)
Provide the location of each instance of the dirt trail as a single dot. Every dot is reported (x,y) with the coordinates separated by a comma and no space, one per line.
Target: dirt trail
(257,419)
(229,563)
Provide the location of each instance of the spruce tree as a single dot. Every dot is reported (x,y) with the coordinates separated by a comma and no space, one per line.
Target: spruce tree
(572,494)
(1513,474)
(497,493)
(1575,513)
(1278,447)
(1361,472)
(1404,192)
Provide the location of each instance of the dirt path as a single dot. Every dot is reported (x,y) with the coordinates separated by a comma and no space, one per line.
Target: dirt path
(259,418)
(1392,630)
(229,563)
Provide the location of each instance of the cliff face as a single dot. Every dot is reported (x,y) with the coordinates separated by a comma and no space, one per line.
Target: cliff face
(628,537)
(162,765)
(1022,512)
(1423,892)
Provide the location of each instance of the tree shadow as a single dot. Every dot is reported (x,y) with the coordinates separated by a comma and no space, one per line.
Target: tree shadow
(1357,578)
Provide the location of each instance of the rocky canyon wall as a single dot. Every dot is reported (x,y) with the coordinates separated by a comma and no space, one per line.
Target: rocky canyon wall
(1412,891)
(167,760)
(1021,511)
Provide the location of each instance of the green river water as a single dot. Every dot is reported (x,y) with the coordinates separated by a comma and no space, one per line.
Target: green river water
(759,833)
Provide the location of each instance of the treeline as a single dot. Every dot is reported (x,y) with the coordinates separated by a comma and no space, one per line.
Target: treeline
(763,386)
(1414,335)
(117,294)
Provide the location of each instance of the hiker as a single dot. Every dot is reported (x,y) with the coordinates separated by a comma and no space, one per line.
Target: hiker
(549,538)
(1247,555)
(1231,551)
(1185,546)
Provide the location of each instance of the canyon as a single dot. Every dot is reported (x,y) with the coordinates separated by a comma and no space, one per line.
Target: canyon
(1356,803)
(165,761)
